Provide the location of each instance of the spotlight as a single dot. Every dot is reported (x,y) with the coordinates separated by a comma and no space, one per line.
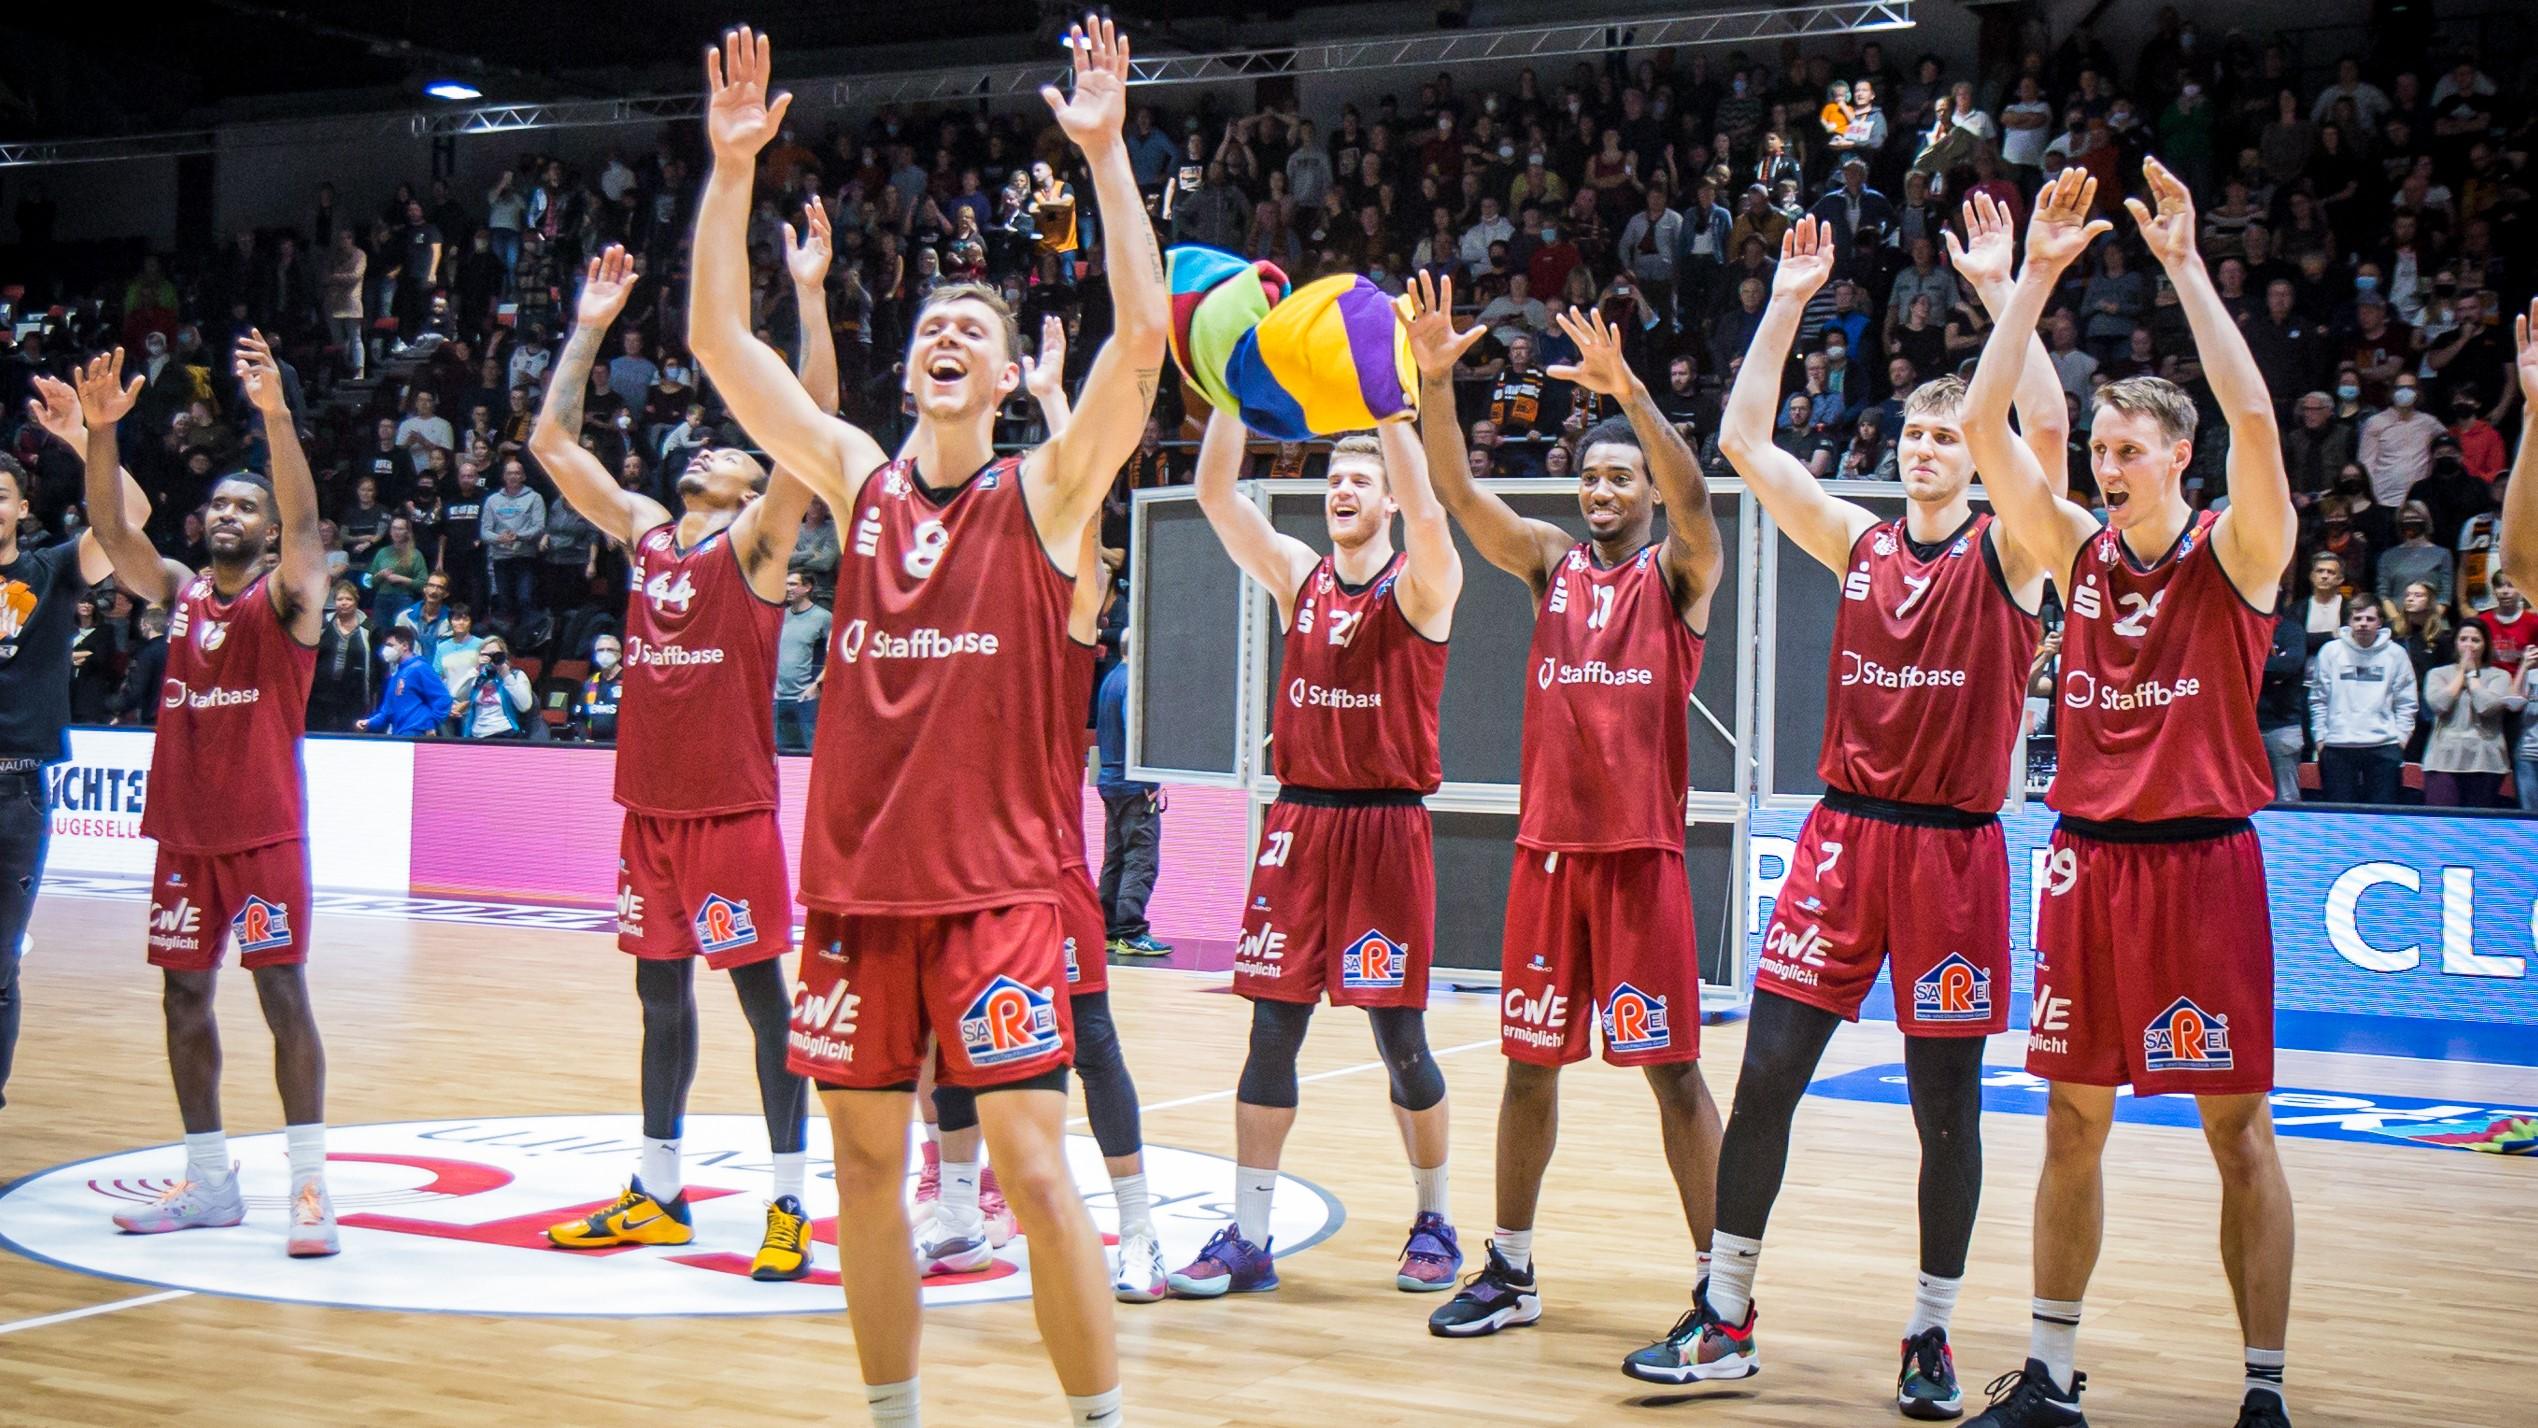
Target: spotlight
(452,89)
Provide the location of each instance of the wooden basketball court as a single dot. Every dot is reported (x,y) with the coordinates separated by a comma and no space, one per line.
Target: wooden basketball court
(2417,1284)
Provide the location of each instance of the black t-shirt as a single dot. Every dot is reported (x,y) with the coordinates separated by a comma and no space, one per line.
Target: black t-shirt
(462,525)
(419,240)
(38,595)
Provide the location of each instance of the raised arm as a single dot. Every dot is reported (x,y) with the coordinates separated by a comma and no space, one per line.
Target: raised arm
(299,587)
(1527,549)
(1433,579)
(1044,377)
(1068,475)
(750,376)
(2254,536)
(1693,553)
(1984,262)
(1824,525)
(555,439)
(55,408)
(769,526)
(2048,527)
(1278,562)
(2520,504)
(104,399)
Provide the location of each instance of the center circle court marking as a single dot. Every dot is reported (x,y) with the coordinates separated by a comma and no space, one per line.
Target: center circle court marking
(449,1217)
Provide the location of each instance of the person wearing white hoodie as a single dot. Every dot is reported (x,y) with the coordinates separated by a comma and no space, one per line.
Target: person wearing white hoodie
(2362,702)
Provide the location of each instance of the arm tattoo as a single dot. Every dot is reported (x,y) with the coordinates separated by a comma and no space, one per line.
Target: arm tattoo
(571,380)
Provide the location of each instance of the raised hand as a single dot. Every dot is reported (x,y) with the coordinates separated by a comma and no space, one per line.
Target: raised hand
(1990,248)
(1044,377)
(55,408)
(739,116)
(260,375)
(2525,334)
(104,398)
(2062,229)
(2169,231)
(606,283)
(1599,366)
(1806,259)
(1434,344)
(1095,112)
(806,257)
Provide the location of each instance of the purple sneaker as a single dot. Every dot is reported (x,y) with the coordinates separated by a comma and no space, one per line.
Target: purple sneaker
(1229,1265)
(1431,1260)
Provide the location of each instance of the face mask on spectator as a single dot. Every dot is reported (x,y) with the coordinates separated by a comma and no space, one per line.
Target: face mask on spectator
(2121,119)
(2348,392)
(2403,396)
(605,659)
(2366,283)
(1835,355)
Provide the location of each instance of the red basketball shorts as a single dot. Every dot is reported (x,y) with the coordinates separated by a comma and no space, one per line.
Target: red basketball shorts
(1087,932)
(2154,964)
(1866,888)
(1342,904)
(258,898)
(989,988)
(1602,934)
(709,887)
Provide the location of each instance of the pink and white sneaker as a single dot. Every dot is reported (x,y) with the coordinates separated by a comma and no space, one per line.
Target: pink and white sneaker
(1001,1225)
(929,1181)
(187,1205)
(312,1221)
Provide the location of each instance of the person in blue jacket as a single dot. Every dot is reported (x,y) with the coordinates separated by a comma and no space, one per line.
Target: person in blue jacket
(415,700)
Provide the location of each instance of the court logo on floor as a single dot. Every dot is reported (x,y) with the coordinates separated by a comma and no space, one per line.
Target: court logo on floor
(450,1217)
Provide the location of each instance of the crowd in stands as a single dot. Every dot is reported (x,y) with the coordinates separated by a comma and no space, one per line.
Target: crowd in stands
(2368,216)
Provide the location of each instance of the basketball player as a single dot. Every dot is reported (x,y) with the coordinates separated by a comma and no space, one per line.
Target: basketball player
(37,596)
(700,859)
(228,805)
(2520,502)
(961,1234)
(1599,908)
(932,843)
(1343,893)
(2154,947)
(1904,857)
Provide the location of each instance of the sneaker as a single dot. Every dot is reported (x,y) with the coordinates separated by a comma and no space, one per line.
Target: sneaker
(1140,1279)
(929,1181)
(1229,1264)
(1927,1388)
(992,1209)
(1500,1296)
(2028,1399)
(2263,1410)
(187,1205)
(635,1219)
(942,1249)
(312,1222)
(1432,1258)
(1700,1348)
(1144,944)
(786,1253)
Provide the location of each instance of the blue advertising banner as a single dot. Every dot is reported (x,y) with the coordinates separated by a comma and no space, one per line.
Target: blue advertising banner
(2394,933)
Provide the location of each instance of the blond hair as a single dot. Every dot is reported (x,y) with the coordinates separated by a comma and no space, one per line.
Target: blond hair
(1363,444)
(979,293)
(2155,397)
(1940,396)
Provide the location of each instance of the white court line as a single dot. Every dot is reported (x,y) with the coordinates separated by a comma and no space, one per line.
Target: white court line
(1205,1096)
(106,1308)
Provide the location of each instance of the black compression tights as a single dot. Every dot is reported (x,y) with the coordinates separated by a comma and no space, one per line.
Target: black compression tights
(1110,1096)
(1783,1042)
(1277,1034)
(668,992)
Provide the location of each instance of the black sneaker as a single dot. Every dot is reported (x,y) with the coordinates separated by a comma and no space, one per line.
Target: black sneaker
(1499,1296)
(1700,1348)
(1927,1386)
(2028,1399)
(2263,1410)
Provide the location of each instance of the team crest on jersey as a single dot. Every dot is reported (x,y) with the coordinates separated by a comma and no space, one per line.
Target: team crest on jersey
(896,483)
(723,924)
(1074,973)
(261,926)
(1009,1022)
(2185,1037)
(1954,990)
(1635,1021)
(1885,542)
(1963,544)
(1373,962)
(211,635)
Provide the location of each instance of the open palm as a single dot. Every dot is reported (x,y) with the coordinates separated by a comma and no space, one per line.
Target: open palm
(2168,230)
(1806,259)
(104,397)
(1434,344)
(1599,366)
(1990,248)
(2062,229)
(1044,376)
(739,116)
(55,408)
(259,374)
(806,254)
(1098,107)
(2527,337)
(606,282)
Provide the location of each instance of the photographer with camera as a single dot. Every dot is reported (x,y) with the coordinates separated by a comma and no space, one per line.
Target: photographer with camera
(493,701)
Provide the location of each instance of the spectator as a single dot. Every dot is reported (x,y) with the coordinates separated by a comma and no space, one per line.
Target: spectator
(514,521)
(593,717)
(136,701)
(2525,759)
(2361,709)
(2466,757)
(631,374)
(2315,446)
(801,649)
(2322,614)
(493,699)
(815,550)
(1798,435)
(1519,406)
(1649,243)
(1132,825)
(413,700)
(346,267)
(428,617)
(395,576)
(2073,366)
(2396,447)
(2480,445)
(1516,313)
(1490,227)
(343,686)
(2414,558)
(2282,705)
(455,651)
(425,427)
(1860,215)
(2116,301)
(2476,546)
(2512,623)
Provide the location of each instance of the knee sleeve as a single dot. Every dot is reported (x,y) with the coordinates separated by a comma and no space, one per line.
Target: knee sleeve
(1277,1034)
(668,993)
(1110,1096)
(784,1097)
(1784,1040)
(1401,1038)
(1946,1078)
(955,1108)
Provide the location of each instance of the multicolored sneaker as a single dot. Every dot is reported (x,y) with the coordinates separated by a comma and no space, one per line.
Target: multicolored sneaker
(1432,1258)
(312,1222)
(944,1249)
(929,1181)
(187,1205)
(1144,944)
(2261,1409)
(1001,1227)
(1699,1348)
(635,1219)
(1140,1279)
(1229,1264)
(2028,1399)
(786,1252)
(1927,1387)
(1499,1296)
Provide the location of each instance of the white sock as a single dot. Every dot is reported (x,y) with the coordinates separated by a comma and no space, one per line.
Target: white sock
(1933,1301)
(1514,1246)
(933,1132)
(2053,1337)
(1096,1410)
(2264,1371)
(1430,1181)
(207,1158)
(792,1168)
(1253,1191)
(1703,1257)
(1732,1262)
(893,1405)
(659,1170)
(1136,1208)
(308,1151)
(957,1210)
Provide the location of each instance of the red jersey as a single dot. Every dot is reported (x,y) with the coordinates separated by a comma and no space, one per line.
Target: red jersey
(1066,751)
(225,771)
(1929,671)
(2160,667)
(1359,708)
(1607,759)
(946,686)
(696,723)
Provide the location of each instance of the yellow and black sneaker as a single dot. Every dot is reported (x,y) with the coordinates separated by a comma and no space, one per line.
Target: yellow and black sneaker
(787,1252)
(636,1219)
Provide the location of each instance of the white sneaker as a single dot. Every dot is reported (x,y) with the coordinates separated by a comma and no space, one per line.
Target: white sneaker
(1140,1279)
(948,1249)
(187,1205)
(313,1221)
